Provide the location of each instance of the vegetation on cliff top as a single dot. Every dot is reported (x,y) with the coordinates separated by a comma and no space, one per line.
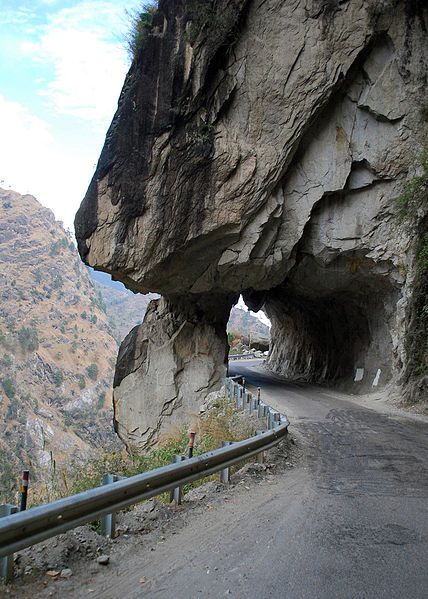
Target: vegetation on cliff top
(140,24)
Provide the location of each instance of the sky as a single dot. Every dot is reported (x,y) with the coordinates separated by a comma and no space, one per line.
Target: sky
(62,66)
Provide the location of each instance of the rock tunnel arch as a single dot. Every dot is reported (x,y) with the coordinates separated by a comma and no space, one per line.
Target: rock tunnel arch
(276,182)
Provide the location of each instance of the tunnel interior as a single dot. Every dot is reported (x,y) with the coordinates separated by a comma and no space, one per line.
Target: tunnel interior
(331,323)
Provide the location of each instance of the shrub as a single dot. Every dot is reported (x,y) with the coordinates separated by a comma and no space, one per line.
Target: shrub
(101,400)
(83,315)
(9,387)
(57,281)
(28,338)
(140,24)
(92,371)
(81,382)
(98,302)
(93,318)
(58,378)
(7,360)
(57,246)
(414,191)
(12,410)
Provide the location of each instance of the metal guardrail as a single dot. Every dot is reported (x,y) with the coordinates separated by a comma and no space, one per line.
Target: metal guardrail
(27,528)
(249,356)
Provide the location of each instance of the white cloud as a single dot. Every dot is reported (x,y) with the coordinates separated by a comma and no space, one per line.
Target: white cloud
(82,46)
(80,65)
(260,315)
(32,161)
(16,16)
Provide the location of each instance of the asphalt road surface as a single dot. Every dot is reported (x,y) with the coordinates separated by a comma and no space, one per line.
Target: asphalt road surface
(349,521)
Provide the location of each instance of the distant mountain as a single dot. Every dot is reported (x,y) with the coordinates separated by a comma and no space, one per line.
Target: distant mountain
(57,349)
(124,309)
(105,280)
(246,323)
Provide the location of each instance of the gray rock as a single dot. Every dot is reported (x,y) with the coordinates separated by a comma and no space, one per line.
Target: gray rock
(276,177)
(103,559)
(66,573)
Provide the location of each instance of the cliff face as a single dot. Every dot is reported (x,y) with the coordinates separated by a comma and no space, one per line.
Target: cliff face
(259,148)
(56,348)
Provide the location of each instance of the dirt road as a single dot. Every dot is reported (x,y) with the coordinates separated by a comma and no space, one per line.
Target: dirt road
(350,521)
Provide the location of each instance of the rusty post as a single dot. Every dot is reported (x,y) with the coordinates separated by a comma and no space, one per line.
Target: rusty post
(192,435)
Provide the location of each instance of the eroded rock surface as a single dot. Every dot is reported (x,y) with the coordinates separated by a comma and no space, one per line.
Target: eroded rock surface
(167,364)
(259,147)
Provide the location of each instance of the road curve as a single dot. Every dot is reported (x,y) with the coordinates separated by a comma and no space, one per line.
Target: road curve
(350,521)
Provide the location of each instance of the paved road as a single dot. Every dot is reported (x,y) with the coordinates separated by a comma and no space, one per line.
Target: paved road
(349,522)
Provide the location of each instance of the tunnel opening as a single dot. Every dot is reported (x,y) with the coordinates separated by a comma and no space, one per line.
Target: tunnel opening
(331,322)
(248,331)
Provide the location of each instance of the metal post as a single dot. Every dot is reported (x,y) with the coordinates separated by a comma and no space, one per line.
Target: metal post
(24,490)
(260,411)
(6,563)
(261,455)
(258,393)
(243,383)
(276,418)
(248,401)
(108,522)
(225,473)
(177,492)
(192,436)
(269,420)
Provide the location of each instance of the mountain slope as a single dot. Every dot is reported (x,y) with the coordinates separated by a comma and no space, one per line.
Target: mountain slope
(57,351)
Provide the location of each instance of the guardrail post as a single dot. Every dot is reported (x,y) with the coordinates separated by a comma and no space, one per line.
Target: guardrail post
(276,418)
(236,393)
(248,402)
(241,397)
(176,493)
(261,455)
(192,435)
(269,419)
(108,522)
(6,563)
(24,490)
(225,473)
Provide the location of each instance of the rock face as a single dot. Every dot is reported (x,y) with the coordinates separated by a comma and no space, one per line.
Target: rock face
(259,147)
(166,364)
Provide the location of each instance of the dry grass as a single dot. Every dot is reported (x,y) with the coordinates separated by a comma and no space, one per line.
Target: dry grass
(222,422)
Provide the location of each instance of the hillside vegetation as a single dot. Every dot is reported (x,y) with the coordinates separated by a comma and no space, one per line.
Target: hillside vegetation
(57,351)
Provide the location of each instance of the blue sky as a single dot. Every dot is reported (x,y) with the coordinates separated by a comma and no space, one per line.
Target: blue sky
(62,66)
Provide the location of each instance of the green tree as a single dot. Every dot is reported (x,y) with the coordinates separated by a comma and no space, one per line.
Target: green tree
(28,338)
(9,387)
(92,371)
(58,378)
